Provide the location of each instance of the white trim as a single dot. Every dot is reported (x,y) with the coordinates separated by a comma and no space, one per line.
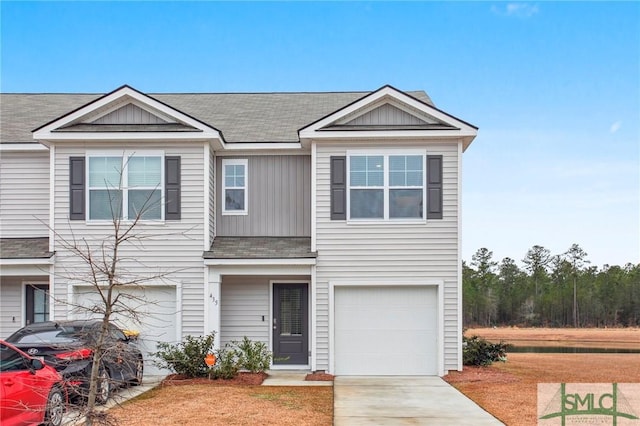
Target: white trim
(125,156)
(29,261)
(206,187)
(459,266)
(387,95)
(121,97)
(231,147)
(256,262)
(314,194)
(378,282)
(52,296)
(386,187)
(235,162)
(26,146)
(52,196)
(283,269)
(310,356)
(314,323)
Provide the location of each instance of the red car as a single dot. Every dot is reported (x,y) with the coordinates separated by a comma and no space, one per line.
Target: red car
(31,392)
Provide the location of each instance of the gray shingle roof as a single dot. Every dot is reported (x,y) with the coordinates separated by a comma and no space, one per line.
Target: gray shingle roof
(260,248)
(24,248)
(242,117)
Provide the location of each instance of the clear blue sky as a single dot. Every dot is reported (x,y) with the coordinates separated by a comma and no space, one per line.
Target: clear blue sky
(553,87)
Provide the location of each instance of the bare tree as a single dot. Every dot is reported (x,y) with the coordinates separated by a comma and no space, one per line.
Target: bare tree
(100,263)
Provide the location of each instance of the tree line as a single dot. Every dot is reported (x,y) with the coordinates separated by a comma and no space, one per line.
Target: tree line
(550,290)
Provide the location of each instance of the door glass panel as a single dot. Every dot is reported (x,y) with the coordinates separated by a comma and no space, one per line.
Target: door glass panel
(40,305)
(290,311)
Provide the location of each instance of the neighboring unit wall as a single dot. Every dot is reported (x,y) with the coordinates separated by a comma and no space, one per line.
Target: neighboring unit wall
(24,194)
(173,247)
(279,201)
(11,309)
(390,251)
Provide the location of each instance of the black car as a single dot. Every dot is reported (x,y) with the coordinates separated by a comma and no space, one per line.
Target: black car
(68,346)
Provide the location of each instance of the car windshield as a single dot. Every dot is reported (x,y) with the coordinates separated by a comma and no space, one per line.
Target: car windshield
(55,336)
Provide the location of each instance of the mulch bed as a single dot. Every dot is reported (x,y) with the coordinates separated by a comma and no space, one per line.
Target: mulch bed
(319,377)
(243,378)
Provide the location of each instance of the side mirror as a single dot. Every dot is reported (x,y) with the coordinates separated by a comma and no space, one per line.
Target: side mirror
(36,364)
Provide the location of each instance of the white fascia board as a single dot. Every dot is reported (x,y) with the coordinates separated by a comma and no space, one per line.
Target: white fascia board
(120,97)
(16,147)
(260,262)
(31,261)
(261,146)
(390,134)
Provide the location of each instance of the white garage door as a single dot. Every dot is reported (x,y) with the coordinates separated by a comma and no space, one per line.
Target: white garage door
(386,330)
(156,308)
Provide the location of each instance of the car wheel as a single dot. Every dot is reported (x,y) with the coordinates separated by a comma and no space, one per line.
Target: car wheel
(55,408)
(104,387)
(139,372)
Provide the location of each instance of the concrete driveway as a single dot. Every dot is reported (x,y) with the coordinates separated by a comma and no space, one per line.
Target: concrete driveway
(403,400)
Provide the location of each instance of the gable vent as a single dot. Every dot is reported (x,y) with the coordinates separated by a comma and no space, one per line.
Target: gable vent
(129,114)
(387,115)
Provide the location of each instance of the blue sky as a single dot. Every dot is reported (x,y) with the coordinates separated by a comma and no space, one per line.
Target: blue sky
(553,87)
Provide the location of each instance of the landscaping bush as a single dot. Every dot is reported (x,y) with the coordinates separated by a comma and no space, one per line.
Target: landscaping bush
(187,357)
(477,351)
(252,356)
(227,365)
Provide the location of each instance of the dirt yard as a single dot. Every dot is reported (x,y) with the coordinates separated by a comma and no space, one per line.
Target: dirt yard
(211,404)
(509,390)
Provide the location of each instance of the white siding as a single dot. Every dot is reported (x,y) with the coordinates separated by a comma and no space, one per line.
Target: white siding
(388,251)
(11,309)
(245,302)
(24,194)
(173,248)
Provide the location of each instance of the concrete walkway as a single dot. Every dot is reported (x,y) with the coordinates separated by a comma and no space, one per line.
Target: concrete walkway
(399,400)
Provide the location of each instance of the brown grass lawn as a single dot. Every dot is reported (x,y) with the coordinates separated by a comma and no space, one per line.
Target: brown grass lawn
(509,390)
(212,404)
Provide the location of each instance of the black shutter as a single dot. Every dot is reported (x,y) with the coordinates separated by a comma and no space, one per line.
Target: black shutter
(338,188)
(76,188)
(172,188)
(434,186)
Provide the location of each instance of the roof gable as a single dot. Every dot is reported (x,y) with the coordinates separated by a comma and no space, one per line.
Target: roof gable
(121,113)
(389,112)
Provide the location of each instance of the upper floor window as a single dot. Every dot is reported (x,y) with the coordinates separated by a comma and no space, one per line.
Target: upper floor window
(234,186)
(125,187)
(386,186)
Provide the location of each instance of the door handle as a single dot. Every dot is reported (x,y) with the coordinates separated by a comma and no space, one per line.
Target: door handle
(275,323)
(8,382)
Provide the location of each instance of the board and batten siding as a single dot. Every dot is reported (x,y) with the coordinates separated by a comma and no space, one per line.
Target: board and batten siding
(390,251)
(173,247)
(24,194)
(279,202)
(245,307)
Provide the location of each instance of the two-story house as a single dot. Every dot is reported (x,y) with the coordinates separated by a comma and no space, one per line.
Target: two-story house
(326,225)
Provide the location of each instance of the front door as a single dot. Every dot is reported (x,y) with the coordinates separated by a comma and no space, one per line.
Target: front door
(290,324)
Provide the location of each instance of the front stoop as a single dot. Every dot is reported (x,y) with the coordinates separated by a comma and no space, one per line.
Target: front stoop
(291,378)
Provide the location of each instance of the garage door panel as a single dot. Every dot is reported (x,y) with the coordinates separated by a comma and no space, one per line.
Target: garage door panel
(155,311)
(385,330)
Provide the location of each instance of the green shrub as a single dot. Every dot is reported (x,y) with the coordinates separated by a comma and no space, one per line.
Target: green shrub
(227,365)
(252,356)
(477,351)
(187,357)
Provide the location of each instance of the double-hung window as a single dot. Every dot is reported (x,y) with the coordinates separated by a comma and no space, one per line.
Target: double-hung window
(125,186)
(386,186)
(234,186)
